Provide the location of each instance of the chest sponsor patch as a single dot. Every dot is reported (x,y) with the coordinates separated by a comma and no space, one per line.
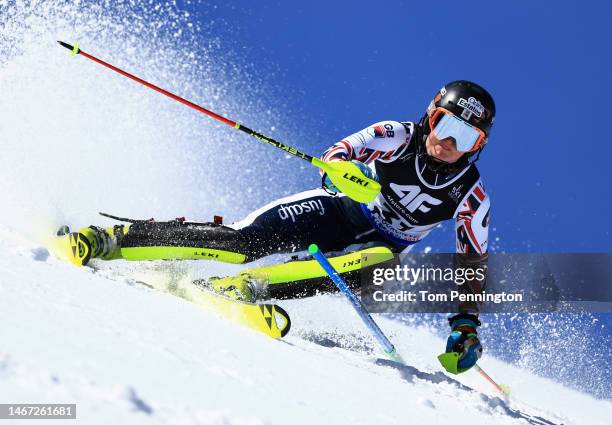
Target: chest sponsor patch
(455,193)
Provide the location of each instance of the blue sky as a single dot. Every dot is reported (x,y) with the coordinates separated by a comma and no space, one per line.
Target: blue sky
(343,65)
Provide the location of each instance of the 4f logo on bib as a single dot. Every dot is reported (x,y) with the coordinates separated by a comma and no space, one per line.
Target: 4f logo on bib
(412,198)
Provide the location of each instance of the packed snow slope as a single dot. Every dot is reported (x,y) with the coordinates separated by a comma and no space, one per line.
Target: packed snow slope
(125,353)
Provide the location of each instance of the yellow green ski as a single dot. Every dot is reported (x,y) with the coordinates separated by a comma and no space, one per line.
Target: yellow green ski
(267,318)
(229,297)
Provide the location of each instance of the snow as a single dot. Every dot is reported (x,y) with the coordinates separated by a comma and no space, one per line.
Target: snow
(123,352)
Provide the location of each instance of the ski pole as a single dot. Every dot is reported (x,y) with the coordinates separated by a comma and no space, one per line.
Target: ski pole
(345,175)
(378,334)
(502,389)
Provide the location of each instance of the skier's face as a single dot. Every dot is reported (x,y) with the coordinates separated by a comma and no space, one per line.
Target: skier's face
(444,150)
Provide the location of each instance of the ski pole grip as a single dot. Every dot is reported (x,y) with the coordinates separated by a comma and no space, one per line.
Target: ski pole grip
(388,348)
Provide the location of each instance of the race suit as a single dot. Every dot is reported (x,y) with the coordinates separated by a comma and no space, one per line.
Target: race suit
(413,201)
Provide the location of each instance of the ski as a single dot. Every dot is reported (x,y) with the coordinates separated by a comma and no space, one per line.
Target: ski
(70,246)
(267,318)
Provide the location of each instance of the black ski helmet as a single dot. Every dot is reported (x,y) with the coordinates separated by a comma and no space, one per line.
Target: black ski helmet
(468,101)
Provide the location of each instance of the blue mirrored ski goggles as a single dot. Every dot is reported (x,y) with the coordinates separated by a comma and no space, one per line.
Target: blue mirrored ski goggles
(445,124)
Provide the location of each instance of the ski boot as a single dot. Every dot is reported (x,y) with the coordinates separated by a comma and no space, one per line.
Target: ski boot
(89,242)
(243,287)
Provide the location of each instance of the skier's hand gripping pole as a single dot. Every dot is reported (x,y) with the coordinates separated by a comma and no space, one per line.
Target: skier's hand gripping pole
(346,176)
(463,349)
(378,334)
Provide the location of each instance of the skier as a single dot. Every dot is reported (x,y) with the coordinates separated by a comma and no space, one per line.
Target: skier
(428,175)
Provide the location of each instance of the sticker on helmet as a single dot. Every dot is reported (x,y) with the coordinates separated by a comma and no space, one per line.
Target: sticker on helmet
(431,107)
(471,106)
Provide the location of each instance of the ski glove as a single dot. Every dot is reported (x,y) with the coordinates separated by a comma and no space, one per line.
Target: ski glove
(464,340)
(367,171)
